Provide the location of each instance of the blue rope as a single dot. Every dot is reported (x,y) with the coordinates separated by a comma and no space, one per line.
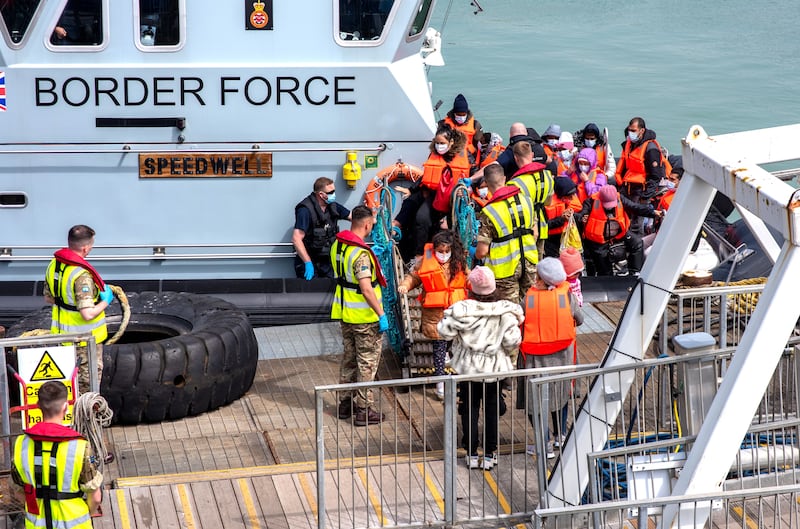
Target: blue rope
(464,218)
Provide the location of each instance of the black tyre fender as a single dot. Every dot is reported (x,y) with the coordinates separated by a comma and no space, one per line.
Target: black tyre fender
(182,354)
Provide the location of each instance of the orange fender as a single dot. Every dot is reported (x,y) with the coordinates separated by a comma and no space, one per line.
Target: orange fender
(397,171)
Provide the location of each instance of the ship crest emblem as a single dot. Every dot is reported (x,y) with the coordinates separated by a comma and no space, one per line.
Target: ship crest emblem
(259,18)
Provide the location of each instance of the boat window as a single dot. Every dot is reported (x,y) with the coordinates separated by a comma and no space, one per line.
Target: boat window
(159,23)
(80,24)
(17,16)
(363,19)
(418,26)
(13,200)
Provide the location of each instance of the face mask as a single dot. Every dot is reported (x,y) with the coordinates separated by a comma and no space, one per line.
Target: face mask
(461,119)
(590,143)
(551,142)
(442,257)
(585,168)
(667,184)
(633,136)
(442,148)
(330,198)
(483,192)
(565,155)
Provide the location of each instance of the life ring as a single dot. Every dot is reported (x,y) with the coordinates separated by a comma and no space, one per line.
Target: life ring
(396,171)
(182,354)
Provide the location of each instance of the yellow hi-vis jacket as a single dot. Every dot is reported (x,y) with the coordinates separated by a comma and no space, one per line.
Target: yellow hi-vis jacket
(54,469)
(67,318)
(349,304)
(514,219)
(538,186)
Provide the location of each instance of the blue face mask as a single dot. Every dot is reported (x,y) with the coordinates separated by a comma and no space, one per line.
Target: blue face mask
(565,155)
(551,142)
(633,136)
(590,143)
(331,198)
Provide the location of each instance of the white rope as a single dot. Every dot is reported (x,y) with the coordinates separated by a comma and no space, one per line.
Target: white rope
(89,416)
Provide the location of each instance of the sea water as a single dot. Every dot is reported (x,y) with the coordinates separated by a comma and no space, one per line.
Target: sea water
(728,65)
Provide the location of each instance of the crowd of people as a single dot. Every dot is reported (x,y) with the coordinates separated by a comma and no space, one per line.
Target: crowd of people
(550,209)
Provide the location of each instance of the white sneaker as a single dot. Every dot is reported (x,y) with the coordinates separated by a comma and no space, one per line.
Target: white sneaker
(489,461)
(558,442)
(440,390)
(551,451)
(473,461)
(530,450)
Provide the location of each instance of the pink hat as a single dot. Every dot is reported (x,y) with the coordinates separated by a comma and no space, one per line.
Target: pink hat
(608,196)
(481,280)
(571,259)
(566,141)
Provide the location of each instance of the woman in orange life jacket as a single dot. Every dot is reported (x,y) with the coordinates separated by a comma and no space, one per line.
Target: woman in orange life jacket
(551,315)
(445,165)
(586,174)
(461,119)
(561,208)
(565,150)
(442,273)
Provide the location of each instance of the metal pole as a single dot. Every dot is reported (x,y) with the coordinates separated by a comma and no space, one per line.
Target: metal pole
(6,421)
(94,384)
(450,452)
(320,428)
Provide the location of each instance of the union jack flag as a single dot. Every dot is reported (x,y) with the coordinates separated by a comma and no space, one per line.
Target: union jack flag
(2,91)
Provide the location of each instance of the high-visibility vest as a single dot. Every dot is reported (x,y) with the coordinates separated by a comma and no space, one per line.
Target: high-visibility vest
(66,317)
(439,293)
(349,304)
(468,130)
(435,164)
(537,186)
(557,208)
(596,224)
(53,469)
(631,168)
(514,220)
(549,326)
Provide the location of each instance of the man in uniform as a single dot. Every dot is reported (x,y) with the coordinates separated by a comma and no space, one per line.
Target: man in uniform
(508,226)
(535,182)
(357,302)
(315,228)
(79,297)
(56,467)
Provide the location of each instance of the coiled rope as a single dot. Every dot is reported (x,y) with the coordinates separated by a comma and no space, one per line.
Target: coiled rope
(126,313)
(465,222)
(89,416)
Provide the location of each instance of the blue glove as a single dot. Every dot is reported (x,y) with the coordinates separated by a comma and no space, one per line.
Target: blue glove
(467,182)
(471,251)
(107,296)
(397,235)
(309,272)
(383,323)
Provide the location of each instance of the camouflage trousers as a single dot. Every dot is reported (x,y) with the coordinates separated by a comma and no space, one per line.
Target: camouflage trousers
(82,358)
(362,354)
(514,288)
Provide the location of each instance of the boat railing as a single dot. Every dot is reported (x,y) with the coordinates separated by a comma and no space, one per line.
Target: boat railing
(410,469)
(172,147)
(161,252)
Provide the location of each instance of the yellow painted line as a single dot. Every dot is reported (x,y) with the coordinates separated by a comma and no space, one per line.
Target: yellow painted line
(187,506)
(431,486)
(744,518)
(308,491)
(501,498)
(124,517)
(374,500)
(248,503)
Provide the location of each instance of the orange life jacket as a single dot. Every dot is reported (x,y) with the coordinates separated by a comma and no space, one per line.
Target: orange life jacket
(582,195)
(631,169)
(549,326)
(595,226)
(468,130)
(438,292)
(551,154)
(563,167)
(476,198)
(557,208)
(666,199)
(435,164)
(600,151)
(492,155)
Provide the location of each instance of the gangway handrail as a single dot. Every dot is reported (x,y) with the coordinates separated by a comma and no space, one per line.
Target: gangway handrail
(126,148)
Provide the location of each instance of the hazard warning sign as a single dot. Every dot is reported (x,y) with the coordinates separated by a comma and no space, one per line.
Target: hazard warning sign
(47,369)
(39,365)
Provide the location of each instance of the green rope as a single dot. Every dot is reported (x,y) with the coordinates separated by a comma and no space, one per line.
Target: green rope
(465,223)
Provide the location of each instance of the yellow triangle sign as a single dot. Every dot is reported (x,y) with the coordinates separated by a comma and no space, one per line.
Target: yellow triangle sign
(47,369)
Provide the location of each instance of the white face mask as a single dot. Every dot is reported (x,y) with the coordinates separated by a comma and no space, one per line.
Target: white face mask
(442,257)
(633,136)
(442,148)
(590,143)
(483,192)
(461,119)
(552,142)
(585,168)
(565,155)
